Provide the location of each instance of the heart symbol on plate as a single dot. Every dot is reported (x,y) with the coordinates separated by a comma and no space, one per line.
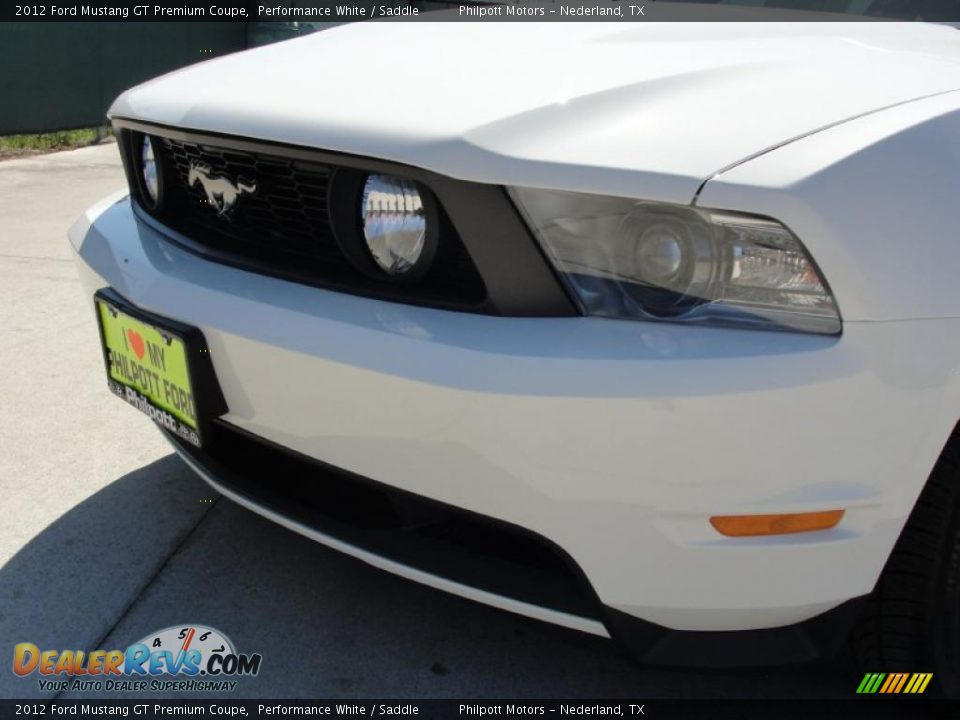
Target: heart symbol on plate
(136,342)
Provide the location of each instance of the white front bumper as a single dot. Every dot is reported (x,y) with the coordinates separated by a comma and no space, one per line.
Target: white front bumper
(616,440)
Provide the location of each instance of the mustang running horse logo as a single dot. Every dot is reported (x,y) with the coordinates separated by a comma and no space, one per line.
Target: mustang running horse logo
(221,193)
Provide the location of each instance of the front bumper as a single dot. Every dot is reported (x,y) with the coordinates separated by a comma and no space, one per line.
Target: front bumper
(616,441)
(470,555)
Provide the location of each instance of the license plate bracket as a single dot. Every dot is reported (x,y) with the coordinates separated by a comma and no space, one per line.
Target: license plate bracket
(159,366)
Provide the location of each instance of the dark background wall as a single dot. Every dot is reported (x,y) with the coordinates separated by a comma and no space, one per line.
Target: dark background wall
(55,76)
(62,75)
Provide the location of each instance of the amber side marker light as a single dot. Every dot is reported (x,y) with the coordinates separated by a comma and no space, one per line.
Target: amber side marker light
(752,525)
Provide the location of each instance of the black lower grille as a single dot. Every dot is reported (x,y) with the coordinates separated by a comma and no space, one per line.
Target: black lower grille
(284,227)
(419,533)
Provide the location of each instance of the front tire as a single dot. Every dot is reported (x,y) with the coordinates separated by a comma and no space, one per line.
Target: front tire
(912,620)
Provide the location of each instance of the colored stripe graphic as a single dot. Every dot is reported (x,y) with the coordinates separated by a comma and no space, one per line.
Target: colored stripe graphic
(870,683)
(894,683)
(891,681)
(903,681)
(918,683)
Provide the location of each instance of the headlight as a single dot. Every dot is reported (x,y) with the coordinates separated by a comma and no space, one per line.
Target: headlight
(148,168)
(394,223)
(627,259)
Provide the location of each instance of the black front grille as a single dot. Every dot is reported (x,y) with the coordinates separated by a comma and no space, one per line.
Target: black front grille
(284,228)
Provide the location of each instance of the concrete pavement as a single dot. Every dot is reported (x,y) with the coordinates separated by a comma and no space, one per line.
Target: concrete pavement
(106,536)
(92,503)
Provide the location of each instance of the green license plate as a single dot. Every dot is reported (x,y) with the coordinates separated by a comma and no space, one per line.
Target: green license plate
(148,365)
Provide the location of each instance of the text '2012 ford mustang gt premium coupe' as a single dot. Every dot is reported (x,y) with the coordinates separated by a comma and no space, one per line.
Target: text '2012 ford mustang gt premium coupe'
(661,342)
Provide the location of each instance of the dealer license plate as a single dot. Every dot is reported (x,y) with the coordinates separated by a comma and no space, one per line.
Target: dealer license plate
(148,365)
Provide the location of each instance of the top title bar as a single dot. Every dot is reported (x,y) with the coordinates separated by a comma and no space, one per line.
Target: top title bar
(331,11)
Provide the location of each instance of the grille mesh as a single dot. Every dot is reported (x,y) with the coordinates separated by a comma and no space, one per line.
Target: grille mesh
(284,227)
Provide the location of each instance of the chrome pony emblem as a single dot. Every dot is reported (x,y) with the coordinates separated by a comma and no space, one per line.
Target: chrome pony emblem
(222,194)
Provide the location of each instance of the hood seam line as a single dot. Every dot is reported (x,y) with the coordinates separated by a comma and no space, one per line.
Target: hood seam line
(753,156)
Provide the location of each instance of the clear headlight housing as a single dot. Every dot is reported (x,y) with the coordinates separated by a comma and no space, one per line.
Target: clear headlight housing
(621,258)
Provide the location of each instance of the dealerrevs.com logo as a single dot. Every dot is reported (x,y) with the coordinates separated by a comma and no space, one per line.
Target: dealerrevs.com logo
(177,658)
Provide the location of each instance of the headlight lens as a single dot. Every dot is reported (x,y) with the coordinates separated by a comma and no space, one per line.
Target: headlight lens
(394,223)
(627,259)
(148,166)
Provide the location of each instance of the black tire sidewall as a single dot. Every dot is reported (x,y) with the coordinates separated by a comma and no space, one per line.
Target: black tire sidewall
(946,623)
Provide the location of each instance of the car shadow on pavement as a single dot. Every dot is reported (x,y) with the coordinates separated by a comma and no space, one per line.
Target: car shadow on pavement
(157,548)
(68,585)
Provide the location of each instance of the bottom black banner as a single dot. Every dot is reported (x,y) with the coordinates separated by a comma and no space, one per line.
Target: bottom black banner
(429,709)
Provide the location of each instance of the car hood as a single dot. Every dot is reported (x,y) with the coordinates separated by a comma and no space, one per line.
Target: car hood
(646,110)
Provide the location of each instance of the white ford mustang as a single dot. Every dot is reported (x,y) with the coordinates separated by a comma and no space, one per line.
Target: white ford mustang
(651,331)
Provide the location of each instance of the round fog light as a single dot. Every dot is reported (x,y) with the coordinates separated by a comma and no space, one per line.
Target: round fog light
(394,224)
(148,166)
